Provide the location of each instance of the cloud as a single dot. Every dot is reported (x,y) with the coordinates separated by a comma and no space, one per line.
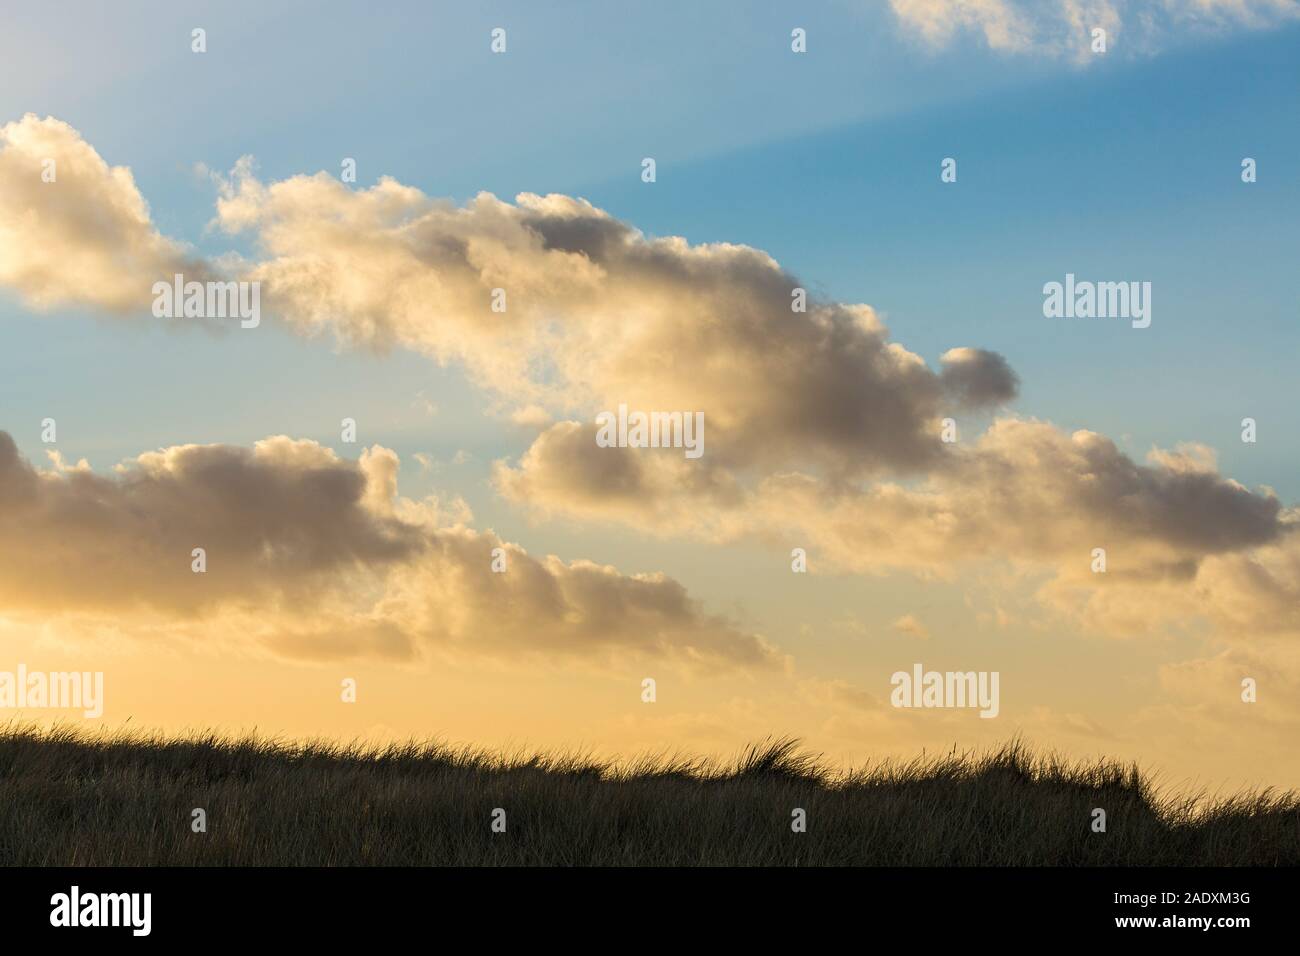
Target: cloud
(821,430)
(1024,492)
(975,378)
(84,239)
(909,624)
(318,557)
(1023,488)
(937,21)
(565,473)
(1063,28)
(598,314)
(1257,592)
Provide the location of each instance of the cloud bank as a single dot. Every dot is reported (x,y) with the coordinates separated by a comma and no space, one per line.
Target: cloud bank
(322,557)
(823,432)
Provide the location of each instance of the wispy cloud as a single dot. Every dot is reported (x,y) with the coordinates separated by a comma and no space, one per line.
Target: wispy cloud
(1063,28)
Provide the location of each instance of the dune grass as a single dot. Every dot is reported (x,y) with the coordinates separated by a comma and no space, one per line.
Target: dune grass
(70,798)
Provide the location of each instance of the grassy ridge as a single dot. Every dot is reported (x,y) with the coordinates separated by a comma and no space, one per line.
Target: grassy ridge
(67,798)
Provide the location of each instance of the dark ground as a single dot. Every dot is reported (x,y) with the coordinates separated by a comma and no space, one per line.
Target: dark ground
(72,799)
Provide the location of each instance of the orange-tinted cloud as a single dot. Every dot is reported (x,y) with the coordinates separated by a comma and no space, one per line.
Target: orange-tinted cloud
(84,238)
(325,559)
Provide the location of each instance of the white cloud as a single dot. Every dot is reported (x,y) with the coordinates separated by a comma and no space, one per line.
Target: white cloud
(1063,28)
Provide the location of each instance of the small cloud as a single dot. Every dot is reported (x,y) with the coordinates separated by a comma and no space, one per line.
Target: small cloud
(909,625)
(531,416)
(61,466)
(424,405)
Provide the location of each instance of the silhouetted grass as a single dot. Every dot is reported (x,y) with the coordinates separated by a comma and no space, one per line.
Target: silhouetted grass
(68,798)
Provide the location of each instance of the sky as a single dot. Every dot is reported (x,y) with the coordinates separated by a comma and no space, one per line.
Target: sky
(371,561)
